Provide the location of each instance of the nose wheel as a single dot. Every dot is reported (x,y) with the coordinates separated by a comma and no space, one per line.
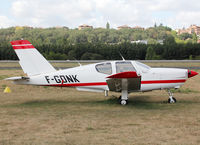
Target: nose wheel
(171,99)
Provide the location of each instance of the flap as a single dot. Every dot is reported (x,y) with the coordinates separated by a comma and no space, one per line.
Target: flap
(130,84)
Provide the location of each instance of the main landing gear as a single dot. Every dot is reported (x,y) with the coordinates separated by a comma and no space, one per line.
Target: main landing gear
(122,102)
(123,99)
(171,98)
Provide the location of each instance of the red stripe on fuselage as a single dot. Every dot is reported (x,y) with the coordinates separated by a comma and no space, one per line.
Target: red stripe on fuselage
(104,83)
(78,84)
(162,81)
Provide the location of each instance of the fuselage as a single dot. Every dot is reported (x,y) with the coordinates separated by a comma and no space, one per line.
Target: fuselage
(93,77)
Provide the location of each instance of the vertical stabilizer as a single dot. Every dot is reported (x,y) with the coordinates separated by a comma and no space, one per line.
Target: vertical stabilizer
(31,61)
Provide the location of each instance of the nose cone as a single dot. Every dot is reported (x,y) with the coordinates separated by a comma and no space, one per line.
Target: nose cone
(191,73)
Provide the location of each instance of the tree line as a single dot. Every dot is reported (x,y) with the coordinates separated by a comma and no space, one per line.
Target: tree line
(97,44)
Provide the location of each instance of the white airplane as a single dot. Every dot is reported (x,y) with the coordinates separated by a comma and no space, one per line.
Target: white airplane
(119,76)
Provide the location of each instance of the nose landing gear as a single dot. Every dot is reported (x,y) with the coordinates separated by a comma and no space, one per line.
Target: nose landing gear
(171,98)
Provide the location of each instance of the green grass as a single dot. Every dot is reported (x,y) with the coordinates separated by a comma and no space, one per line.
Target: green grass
(3,77)
(3,86)
(90,128)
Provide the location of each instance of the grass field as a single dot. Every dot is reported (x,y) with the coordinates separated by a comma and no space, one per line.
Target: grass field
(32,115)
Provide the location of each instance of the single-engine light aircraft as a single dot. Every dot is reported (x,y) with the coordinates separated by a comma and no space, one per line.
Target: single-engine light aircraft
(123,76)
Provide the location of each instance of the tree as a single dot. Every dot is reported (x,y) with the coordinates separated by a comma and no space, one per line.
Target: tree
(150,54)
(91,56)
(155,25)
(190,57)
(99,43)
(169,40)
(185,36)
(107,25)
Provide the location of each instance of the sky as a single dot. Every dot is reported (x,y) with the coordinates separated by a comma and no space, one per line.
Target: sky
(72,13)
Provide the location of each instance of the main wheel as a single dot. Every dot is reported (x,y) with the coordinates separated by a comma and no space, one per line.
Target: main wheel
(173,100)
(123,102)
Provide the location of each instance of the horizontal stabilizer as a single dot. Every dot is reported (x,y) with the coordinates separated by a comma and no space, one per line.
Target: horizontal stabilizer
(17,78)
(128,74)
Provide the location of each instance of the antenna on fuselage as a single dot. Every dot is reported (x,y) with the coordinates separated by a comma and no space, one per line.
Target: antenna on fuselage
(122,56)
(78,62)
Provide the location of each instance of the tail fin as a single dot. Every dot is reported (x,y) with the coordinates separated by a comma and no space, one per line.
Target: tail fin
(31,61)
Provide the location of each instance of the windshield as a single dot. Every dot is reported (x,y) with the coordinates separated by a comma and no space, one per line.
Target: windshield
(143,66)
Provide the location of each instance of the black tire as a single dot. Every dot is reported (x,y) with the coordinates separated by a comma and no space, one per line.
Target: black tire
(174,100)
(119,99)
(169,101)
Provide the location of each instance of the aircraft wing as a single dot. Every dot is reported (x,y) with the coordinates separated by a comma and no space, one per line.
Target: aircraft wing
(124,81)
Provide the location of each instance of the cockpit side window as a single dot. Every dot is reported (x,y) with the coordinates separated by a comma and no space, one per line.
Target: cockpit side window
(105,68)
(124,66)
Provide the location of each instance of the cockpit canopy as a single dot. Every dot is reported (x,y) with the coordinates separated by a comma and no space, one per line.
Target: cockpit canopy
(121,66)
